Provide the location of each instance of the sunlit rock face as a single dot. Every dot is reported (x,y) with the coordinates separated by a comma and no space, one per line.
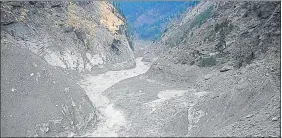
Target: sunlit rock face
(62,33)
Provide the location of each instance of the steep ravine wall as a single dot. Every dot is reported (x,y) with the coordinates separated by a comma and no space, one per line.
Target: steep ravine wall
(80,35)
(231,50)
(43,46)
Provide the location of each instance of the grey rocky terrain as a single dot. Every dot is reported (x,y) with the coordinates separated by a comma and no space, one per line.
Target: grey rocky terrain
(217,73)
(69,69)
(45,46)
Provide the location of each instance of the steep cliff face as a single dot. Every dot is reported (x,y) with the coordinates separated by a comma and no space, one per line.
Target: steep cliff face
(230,50)
(43,46)
(80,36)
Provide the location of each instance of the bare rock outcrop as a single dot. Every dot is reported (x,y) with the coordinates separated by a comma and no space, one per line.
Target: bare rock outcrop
(77,35)
(44,47)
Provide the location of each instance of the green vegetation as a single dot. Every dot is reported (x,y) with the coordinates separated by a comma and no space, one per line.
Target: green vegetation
(201,18)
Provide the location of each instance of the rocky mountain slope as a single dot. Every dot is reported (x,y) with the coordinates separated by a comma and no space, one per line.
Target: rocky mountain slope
(44,47)
(148,19)
(214,73)
(78,36)
(217,73)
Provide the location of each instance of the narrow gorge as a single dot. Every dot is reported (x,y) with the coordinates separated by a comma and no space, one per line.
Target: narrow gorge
(77,69)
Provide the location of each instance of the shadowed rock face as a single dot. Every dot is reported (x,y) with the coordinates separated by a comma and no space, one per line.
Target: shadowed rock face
(44,45)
